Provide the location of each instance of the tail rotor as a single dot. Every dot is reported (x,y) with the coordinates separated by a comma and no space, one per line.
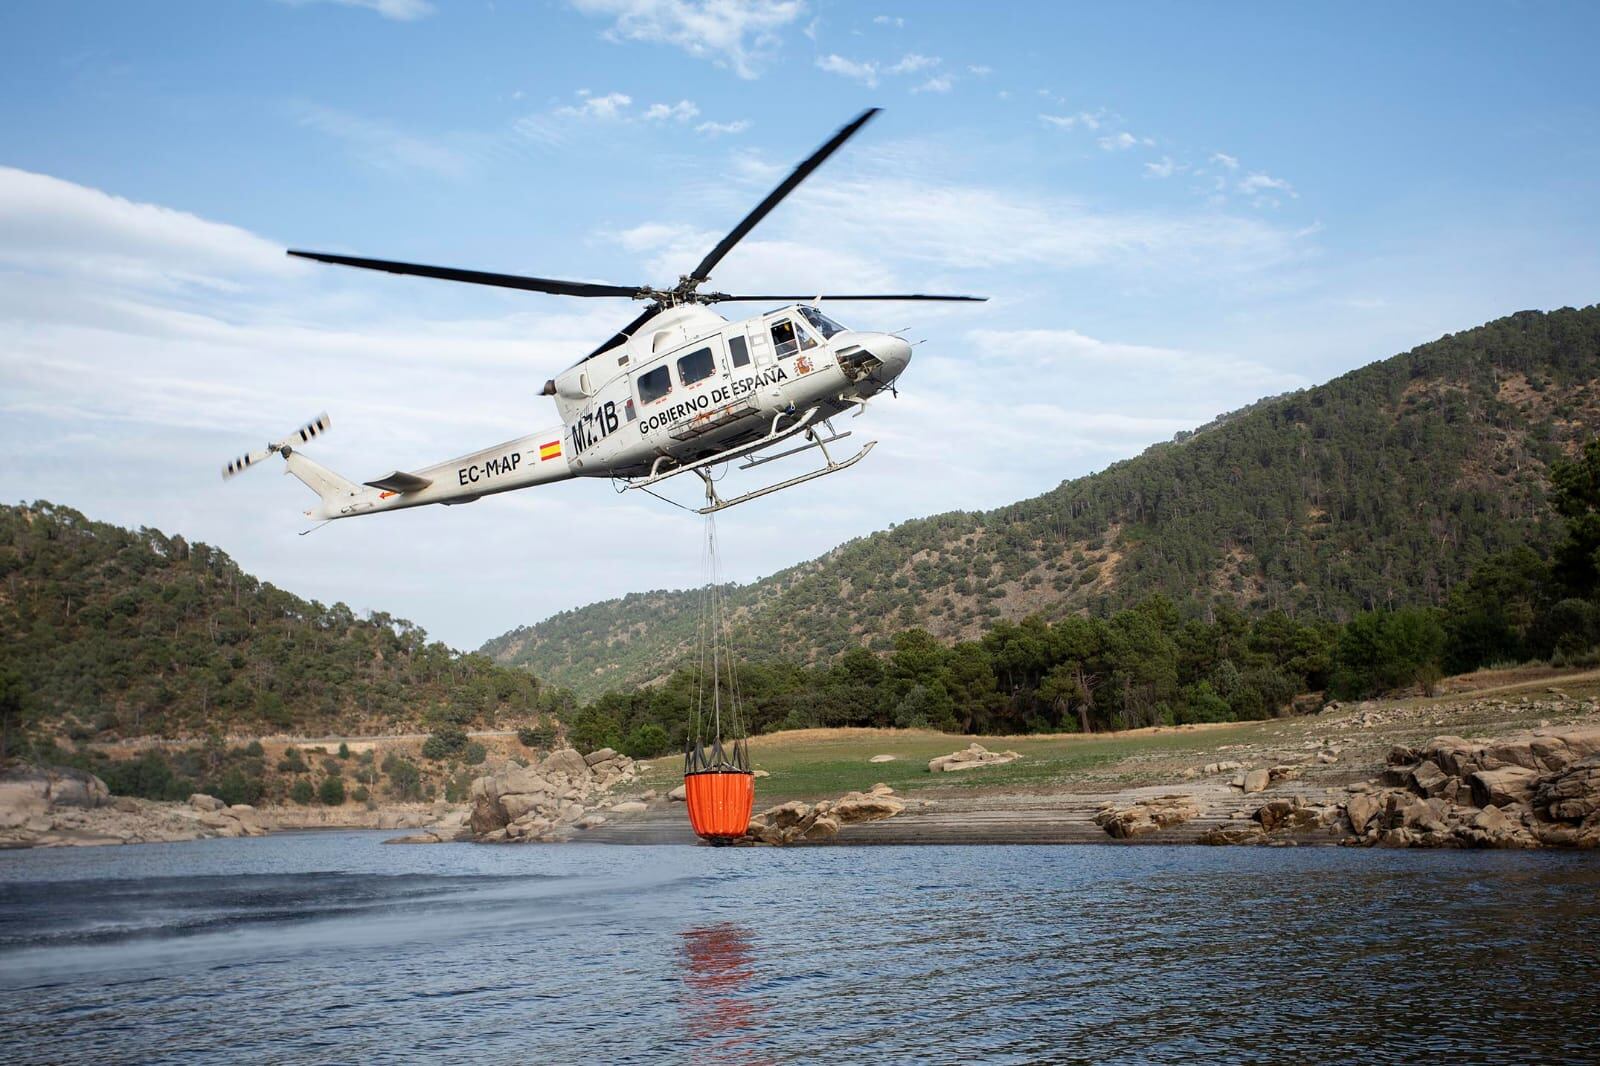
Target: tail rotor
(314,428)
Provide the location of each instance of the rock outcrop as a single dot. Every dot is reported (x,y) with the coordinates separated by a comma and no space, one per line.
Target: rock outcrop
(969,758)
(1147,816)
(53,806)
(794,822)
(1538,789)
(547,801)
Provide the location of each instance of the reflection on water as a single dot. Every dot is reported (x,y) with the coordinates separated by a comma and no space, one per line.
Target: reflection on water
(318,947)
(720,1014)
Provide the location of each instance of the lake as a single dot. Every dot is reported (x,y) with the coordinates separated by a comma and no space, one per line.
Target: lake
(316,947)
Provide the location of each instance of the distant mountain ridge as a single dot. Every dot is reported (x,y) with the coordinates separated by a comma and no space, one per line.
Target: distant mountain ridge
(1382,487)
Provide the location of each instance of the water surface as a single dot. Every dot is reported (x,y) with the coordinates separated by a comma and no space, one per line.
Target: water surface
(330,946)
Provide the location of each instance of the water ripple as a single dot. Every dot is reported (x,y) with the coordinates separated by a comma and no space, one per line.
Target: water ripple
(307,948)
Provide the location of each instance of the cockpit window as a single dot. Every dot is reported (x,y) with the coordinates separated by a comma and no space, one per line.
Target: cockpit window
(825,325)
(807,339)
(696,366)
(654,385)
(783,338)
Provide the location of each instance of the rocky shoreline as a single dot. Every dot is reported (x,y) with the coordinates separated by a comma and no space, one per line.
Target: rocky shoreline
(1356,777)
(63,807)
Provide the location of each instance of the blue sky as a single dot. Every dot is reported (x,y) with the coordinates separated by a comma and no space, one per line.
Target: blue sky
(1176,208)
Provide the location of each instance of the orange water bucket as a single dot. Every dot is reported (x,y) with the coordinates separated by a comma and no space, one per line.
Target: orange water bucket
(719,803)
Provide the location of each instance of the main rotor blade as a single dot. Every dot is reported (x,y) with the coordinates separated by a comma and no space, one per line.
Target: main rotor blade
(775,197)
(722,297)
(622,335)
(478,277)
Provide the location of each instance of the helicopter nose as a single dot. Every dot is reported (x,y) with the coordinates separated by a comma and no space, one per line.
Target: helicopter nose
(892,351)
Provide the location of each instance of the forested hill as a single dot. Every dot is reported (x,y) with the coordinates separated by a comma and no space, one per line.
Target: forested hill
(122,633)
(1380,488)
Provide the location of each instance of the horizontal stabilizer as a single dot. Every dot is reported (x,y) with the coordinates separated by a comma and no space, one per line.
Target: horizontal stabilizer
(400,481)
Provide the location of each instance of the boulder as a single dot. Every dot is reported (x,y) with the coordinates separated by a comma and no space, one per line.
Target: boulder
(1427,779)
(589,821)
(630,807)
(1275,814)
(822,828)
(1361,808)
(859,807)
(1503,786)
(679,794)
(1233,833)
(28,794)
(416,838)
(972,756)
(882,758)
(603,755)
(201,802)
(1572,795)
(1147,816)
(519,804)
(1256,781)
(567,762)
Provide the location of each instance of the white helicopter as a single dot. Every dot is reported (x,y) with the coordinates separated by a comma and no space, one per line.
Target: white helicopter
(679,389)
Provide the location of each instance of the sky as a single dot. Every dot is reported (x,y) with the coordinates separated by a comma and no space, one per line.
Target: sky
(1175,209)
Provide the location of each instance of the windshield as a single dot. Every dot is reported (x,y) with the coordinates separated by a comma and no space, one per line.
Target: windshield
(825,325)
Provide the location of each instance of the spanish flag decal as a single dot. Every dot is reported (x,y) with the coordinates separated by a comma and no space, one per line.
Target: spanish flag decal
(550,451)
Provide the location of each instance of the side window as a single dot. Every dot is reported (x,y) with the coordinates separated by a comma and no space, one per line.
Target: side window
(696,366)
(654,385)
(740,353)
(783,338)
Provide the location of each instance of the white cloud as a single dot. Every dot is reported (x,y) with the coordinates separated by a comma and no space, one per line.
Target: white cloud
(1118,142)
(383,144)
(888,20)
(1164,169)
(719,129)
(682,111)
(980,71)
(1088,120)
(606,108)
(735,33)
(1225,160)
(399,10)
(59,227)
(865,72)
(911,62)
(940,84)
(1257,183)
(956,227)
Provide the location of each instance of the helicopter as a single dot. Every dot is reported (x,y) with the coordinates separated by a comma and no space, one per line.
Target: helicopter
(679,390)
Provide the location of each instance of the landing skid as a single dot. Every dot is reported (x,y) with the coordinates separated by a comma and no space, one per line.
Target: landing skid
(776,434)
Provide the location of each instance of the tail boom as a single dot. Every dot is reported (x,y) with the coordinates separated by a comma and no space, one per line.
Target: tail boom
(516,464)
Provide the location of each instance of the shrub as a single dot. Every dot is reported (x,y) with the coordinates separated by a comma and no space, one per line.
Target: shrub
(360,795)
(302,792)
(538,735)
(292,763)
(448,741)
(236,787)
(474,754)
(332,791)
(645,741)
(254,749)
(344,750)
(405,780)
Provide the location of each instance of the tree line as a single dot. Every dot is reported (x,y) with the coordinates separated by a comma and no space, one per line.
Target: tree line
(1151,665)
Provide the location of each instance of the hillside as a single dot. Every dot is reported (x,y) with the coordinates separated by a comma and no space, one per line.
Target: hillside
(122,633)
(1383,487)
